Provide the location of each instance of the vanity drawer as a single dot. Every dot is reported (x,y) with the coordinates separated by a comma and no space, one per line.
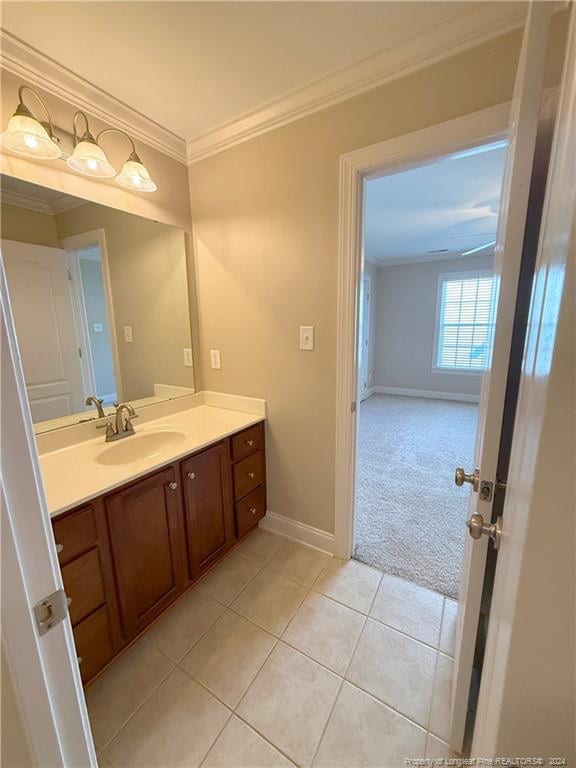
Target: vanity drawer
(248,441)
(93,643)
(83,585)
(75,534)
(248,474)
(250,510)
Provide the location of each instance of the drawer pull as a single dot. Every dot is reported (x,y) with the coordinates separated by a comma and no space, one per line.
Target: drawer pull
(79,659)
(190,475)
(59,548)
(249,443)
(251,475)
(173,486)
(253,510)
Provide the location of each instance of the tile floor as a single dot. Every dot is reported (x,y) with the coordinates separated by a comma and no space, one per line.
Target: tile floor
(283,656)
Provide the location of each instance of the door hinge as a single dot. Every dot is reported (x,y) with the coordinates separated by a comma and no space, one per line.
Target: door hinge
(353,406)
(51,611)
(79,352)
(69,275)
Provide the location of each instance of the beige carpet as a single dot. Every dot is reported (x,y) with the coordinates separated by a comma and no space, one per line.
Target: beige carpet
(410,517)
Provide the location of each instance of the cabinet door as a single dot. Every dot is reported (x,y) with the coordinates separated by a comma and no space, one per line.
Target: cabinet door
(208,502)
(147,540)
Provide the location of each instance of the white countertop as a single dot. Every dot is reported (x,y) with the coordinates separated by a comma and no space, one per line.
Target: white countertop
(73,475)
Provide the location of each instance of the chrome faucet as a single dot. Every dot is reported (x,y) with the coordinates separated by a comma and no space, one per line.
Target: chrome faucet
(98,403)
(123,426)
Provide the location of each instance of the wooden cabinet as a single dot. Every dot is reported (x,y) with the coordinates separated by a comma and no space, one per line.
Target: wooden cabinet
(146,539)
(82,543)
(126,556)
(208,504)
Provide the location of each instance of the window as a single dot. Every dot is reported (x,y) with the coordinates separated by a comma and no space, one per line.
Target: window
(465,321)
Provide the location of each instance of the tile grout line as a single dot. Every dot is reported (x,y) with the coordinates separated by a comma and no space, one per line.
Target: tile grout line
(332,708)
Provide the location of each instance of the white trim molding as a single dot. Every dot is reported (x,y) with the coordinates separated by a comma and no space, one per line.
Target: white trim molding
(59,204)
(477,128)
(425,393)
(22,59)
(292,529)
(466,30)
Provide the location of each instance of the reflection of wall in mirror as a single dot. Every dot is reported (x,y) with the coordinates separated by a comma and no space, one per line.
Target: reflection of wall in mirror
(148,274)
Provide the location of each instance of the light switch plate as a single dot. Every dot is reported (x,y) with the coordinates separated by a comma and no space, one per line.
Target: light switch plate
(215,359)
(307,338)
(188,357)
(128,333)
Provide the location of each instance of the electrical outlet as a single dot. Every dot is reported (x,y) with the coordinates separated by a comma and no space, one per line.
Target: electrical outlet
(188,358)
(98,328)
(128,333)
(307,338)
(215,359)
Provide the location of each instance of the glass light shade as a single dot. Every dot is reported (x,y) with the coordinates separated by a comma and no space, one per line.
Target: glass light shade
(134,175)
(88,158)
(24,135)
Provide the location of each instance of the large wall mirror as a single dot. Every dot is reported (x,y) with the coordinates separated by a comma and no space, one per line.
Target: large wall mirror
(100,302)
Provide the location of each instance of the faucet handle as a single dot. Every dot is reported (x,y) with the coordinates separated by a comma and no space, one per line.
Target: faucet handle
(108,427)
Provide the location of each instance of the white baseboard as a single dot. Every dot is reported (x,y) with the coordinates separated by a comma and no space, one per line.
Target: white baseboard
(429,393)
(292,529)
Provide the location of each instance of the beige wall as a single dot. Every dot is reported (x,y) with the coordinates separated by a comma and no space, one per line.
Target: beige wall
(265,227)
(406,299)
(170,204)
(150,292)
(27,226)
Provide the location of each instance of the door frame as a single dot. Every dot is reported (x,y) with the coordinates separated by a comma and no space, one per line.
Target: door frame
(44,670)
(408,150)
(73,243)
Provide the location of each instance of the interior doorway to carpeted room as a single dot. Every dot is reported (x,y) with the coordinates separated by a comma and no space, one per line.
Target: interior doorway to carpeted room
(427,304)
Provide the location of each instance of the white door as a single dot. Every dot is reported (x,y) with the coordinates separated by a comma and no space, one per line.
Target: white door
(364,335)
(522,135)
(42,308)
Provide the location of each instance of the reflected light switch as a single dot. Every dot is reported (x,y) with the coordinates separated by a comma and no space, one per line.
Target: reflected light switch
(188,357)
(215,359)
(307,338)
(98,327)
(128,333)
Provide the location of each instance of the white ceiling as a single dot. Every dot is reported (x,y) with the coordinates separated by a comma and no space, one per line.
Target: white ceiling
(195,66)
(450,205)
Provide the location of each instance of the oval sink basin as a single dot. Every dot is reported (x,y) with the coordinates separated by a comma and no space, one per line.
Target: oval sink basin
(140,446)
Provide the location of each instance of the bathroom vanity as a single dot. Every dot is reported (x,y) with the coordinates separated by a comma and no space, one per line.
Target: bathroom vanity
(128,553)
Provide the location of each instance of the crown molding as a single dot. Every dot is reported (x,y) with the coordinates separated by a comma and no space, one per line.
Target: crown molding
(25,201)
(466,30)
(27,62)
(60,204)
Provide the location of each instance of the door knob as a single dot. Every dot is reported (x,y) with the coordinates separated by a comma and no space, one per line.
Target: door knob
(478,528)
(461,477)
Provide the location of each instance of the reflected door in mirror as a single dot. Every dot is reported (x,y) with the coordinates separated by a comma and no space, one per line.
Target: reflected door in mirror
(38,282)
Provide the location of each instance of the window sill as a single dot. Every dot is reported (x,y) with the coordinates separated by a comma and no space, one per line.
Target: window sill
(457,371)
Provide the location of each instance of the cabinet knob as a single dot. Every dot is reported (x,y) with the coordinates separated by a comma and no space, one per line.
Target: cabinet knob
(249,443)
(59,548)
(172,486)
(251,475)
(190,475)
(253,510)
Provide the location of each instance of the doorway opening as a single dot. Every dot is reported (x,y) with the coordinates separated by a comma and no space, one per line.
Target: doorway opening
(426,334)
(90,305)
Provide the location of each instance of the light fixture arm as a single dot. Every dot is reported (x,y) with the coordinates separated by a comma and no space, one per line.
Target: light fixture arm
(23,110)
(133,153)
(86,136)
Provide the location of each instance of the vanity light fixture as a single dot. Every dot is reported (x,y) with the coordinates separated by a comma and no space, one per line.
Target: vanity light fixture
(26,135)
(88,158)
(134,174)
